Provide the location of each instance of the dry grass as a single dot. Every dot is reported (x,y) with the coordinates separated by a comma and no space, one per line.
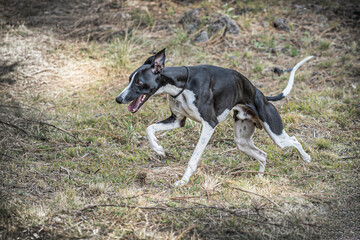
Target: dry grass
(76,165)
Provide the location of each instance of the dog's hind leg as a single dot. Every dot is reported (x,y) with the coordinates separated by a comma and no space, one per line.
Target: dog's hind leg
(274,126)
(170,123)
(244,130)
(284,140)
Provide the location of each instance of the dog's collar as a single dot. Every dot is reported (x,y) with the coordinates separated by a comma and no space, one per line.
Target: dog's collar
(187,80)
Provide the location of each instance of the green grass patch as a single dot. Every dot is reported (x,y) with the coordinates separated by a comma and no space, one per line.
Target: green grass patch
(324,45)
(323,143)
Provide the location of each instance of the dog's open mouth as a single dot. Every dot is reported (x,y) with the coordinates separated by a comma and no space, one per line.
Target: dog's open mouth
(135,105)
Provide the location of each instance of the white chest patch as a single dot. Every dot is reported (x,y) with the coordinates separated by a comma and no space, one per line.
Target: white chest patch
(169,89)
(184,105)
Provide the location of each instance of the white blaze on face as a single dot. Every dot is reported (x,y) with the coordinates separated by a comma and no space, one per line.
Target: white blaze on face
(125,92)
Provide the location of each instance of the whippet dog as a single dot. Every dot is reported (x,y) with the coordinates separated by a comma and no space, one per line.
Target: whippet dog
(207,94)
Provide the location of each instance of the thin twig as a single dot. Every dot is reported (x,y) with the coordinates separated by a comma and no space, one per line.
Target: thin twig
(14,126)
(56,127)
(186,231)
(103,132)
(5,155)
(42,149)
(349,157)
(215,39)
(247,191)
(228,150)
(93,206)
(40,71)
(66,170)
(182,198)
(266,173)
(242,216)
(24,108)
(19,196)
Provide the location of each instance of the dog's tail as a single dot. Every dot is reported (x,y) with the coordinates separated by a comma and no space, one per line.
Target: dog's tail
(290,84)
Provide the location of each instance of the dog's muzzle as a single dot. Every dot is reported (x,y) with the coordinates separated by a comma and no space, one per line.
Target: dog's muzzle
(119,99)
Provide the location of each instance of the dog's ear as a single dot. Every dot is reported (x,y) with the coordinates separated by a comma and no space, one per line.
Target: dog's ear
(158,62)
(149,60)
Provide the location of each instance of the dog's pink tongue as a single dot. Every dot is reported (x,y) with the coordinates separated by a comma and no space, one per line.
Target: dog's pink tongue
(134,105)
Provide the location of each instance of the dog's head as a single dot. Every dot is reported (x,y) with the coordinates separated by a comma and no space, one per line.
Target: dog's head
(143,82)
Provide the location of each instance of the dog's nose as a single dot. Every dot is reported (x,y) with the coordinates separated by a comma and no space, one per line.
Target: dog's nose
(119,99)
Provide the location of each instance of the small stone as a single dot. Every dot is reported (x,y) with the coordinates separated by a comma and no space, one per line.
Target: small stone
(202,37)
(224,21)
(272,50)
(190,19)
(281,24)
(190,16)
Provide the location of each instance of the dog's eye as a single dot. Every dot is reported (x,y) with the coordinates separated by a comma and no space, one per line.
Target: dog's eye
(139,83)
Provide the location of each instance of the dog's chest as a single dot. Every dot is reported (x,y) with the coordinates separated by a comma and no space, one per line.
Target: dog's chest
(184,105)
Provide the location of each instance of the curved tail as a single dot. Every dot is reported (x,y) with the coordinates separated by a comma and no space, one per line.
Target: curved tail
(290,84)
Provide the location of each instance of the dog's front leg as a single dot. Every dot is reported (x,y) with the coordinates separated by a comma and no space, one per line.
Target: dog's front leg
(206,133)
(170,123)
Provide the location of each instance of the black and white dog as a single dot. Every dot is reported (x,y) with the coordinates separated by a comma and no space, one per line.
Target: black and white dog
(207,94)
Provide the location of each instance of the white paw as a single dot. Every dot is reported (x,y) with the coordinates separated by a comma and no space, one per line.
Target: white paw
(306,158)
(180,183)
(159,150)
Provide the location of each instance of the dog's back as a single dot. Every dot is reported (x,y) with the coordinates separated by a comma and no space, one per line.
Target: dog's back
(222,86)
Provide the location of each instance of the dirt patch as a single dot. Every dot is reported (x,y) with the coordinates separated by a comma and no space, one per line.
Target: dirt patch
(79,19)
(344,218)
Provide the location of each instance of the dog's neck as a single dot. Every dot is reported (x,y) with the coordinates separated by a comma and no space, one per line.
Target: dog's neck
(173,80)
